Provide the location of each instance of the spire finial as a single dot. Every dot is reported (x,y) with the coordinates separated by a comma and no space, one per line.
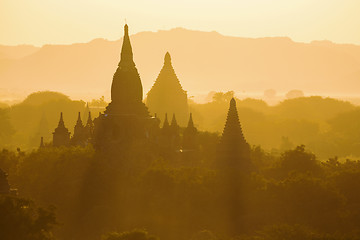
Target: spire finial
(61,121)
(173,121)
(126,28)
(167,58)
(166,122)
(191,122)
(79,121)
(126,50)
(233,102)
(89,120)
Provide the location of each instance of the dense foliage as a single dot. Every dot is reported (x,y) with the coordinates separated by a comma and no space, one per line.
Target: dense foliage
(327,126)
(178,196)
(21,219)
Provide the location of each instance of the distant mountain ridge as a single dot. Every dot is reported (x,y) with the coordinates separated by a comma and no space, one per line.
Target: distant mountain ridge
(203,61)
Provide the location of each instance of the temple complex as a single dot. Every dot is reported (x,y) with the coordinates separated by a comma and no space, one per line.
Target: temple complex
(127,120)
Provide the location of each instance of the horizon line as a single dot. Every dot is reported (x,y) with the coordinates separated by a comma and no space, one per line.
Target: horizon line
(182,28)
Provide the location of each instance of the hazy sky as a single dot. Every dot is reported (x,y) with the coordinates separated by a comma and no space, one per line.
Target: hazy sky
(66,21)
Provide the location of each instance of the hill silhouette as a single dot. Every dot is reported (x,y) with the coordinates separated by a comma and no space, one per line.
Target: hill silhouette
(205,61)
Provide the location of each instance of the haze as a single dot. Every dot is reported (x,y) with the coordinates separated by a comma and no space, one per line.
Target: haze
(189,120)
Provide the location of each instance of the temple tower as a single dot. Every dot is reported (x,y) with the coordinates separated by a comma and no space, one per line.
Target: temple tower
(190,136)
(175,133)
(234,151)
(79,133)
(61,135)
(167,94)
(89,127)
(126,88)
(126,117)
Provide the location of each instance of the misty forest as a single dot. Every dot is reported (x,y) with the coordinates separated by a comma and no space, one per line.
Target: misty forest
(163,166)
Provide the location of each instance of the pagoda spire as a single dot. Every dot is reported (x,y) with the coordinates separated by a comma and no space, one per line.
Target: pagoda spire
(79,121)
(167,59)
(126,50)
(79,136)
(234,151)
(166,122)
(61,135)
(190,123)
(190,136)
(232,129)
(61,123)
(126,88)
(89,120)
(174,122)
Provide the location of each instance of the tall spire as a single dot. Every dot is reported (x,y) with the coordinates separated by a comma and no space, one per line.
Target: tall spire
(126,50)
(61,121)
(79,122)
(167,59)
(89,120)
(234,149)
(173,121)
(190,136)
(166,122)
(232,127)
(190,123)
(61,135)
(126,88)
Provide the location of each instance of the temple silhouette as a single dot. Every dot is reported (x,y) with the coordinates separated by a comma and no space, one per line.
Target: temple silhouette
(167,94)
(127,119)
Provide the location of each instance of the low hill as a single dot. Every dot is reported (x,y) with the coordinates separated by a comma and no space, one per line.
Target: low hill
(203,61)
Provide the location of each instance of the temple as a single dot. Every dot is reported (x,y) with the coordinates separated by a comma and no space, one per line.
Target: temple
(190,136)
(61,135)
(127,120)
(234,151)
(126,88)
(79,137)
(167,94)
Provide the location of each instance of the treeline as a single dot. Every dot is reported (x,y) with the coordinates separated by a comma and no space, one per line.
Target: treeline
(178,196)
(327,126)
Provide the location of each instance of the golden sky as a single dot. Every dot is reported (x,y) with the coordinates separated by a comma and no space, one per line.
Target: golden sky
(40,22)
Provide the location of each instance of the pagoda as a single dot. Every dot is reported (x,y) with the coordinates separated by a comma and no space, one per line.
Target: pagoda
(190,136)
(61,135)
(167,94)
(126,118)
(79,136)
(233,149)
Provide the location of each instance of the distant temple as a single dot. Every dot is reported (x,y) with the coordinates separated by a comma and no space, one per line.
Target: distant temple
(167,95)
(233,149)
(61,135)
(190,136)
(126,118)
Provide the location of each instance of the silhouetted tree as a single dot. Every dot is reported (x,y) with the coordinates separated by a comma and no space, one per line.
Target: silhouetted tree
(21,219)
